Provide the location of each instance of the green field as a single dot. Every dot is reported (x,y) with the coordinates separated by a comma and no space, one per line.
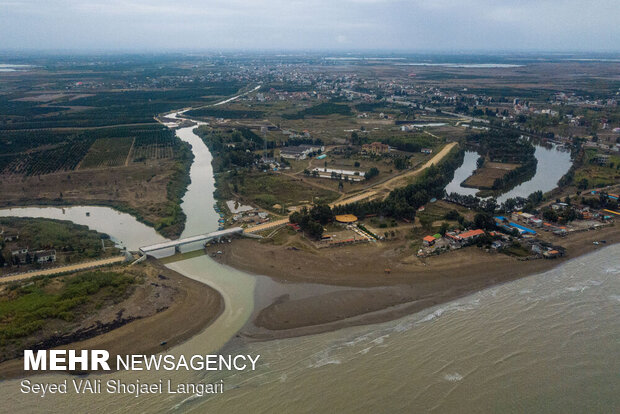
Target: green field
(598,175)
(52,303)
(107,152)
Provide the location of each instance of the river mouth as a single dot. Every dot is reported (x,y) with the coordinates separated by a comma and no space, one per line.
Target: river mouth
(480,352)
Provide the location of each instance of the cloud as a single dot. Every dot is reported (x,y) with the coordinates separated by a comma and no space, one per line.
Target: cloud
(311,24)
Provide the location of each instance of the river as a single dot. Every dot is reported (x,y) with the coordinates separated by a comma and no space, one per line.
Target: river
(546,343)
(553,163)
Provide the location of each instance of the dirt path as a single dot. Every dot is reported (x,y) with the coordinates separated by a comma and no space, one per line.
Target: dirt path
(64,269)
(378,189)
(398,181)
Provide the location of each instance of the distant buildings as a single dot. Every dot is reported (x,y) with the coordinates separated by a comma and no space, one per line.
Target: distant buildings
(376,148)
(300,152)
(25,256)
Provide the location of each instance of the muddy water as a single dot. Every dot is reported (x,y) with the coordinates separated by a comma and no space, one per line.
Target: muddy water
(547,343)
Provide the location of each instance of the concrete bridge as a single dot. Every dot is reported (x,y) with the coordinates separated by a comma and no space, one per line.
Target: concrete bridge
(216,235)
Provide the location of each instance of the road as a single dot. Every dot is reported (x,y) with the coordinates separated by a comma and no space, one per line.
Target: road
(383,188)
(64,269)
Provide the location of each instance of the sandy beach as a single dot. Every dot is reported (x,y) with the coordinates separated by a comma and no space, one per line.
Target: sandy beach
(412,284)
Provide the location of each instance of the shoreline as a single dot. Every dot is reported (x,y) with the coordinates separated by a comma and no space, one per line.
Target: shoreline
(195,307)
(375,298)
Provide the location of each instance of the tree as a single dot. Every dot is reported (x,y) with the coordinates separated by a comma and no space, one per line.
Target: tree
(401,163)
(550,215)
(373,172)
(484,221)
(452,215)
(583,184)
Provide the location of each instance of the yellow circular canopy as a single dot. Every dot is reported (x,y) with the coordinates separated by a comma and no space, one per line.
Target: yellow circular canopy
(346,218)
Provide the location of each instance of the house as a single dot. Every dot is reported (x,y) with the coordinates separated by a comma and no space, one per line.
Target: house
(9,237)
(20,256)
(45,256)
(375,148)
(600,159)
(300,152)
(428,241)
(536,222)
(471,235)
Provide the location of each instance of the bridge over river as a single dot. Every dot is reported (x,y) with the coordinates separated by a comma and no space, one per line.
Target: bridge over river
(193,239)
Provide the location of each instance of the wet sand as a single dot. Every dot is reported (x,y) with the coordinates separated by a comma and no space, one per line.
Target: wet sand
(412,285)
(195,306)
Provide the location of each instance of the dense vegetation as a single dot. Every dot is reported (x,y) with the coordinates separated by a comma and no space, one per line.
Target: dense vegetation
(28,308)
(312,221)
(44,152)
(402,203)
(410,143)
(72,242)
(507,147)
(233,148)
(226,113)
(325,108)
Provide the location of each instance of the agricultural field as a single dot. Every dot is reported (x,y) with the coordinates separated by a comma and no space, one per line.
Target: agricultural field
(64,157)
(153,147)
(107,152)
(483,178)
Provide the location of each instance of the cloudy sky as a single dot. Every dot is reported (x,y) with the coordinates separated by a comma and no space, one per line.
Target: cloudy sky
(411,25)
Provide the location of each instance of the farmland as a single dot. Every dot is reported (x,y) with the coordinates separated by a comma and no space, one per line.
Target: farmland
(64,157)
(107,152)
(484,178)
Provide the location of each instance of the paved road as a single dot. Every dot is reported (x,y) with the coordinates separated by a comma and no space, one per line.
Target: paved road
(64,269)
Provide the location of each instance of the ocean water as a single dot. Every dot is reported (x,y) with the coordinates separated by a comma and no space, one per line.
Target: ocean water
(549,343)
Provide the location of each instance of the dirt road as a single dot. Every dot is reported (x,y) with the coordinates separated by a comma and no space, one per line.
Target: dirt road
(398,181)
(64,269)
(382,189)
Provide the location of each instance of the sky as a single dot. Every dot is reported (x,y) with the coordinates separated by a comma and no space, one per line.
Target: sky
(398,25)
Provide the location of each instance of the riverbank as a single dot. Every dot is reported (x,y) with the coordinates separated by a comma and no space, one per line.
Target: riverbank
(411,285)
(150,191)
(146,327)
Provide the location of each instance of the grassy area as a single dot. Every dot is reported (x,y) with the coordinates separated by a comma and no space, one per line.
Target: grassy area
(268,189)
(598,175)
(27,308)
(73,243)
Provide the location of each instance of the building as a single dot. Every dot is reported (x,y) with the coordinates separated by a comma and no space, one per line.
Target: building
(471,235)
(9,237)
(300,152)
(426,151)
(45,256)
(376,148)
(428,241)
(20,256)
(601,159)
